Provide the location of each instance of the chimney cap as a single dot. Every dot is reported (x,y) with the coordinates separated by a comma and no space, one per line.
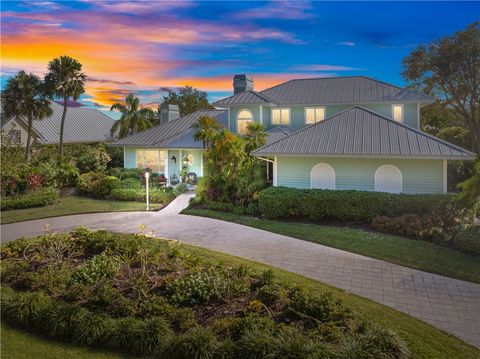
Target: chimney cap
(167,106)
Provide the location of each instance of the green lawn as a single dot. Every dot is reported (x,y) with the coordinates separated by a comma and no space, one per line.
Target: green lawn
(18,344)
(421,255)
(424,340)
(73,205)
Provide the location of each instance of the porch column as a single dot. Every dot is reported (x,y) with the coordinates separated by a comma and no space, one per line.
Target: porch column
(167,175)
(275,171)
(180,162)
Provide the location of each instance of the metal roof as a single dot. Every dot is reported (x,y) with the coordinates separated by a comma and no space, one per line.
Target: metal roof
(358,132)
(249,96)
(81,125)
(335,90)
(176,133)
(278,132)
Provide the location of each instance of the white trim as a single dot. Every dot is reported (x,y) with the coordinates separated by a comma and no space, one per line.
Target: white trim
(265,159)
(201,164)
(236,117)
(167,175)
(403,112)
(275,181)
(281,108)
(418,115)
(180,162)
(388,166)
(125,157)
(445,176)
(401,157)
(314,114)
(332,171)
(261,115)
(228,112)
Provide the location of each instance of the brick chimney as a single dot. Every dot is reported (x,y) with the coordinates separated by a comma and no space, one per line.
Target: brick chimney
(242,83)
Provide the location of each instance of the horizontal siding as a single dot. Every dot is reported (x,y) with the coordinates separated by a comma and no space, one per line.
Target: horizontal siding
(419,176)
(130,160)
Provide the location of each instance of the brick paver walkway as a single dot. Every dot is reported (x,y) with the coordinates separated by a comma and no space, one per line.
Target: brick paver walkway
(448,304)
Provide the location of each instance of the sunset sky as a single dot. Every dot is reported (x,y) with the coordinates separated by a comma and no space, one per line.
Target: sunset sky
(148,48)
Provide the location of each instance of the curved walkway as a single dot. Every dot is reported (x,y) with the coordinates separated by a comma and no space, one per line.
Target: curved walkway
(448,304)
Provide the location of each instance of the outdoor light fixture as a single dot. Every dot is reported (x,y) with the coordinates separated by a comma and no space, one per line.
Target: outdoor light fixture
(147,176)
(174,159)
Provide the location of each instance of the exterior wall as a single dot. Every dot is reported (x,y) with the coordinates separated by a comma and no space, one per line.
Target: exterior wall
(129,157)
(419,176)
(297,113)
(12,124)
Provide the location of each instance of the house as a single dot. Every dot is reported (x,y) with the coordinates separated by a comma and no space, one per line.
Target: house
(333,133)
(82,125)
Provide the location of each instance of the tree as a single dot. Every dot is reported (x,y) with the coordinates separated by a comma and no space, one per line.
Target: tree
(188,100)
(24,96)
(449,69)
(206,129)
(65,80)
(470,194)
(134,118)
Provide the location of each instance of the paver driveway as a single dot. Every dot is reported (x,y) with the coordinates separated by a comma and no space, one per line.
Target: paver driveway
(449,304)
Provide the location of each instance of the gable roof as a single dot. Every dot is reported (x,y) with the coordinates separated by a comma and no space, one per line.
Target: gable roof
(249,96)
(334,90)
(176,133)
(277,133)
(82,125)
(358,132)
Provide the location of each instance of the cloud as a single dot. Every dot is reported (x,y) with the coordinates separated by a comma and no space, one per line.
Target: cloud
(103,81)
(140,6)
(321,67)
(287,10)
(345,43)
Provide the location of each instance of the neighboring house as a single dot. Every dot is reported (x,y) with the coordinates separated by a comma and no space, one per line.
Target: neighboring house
(335,133)
(82,125)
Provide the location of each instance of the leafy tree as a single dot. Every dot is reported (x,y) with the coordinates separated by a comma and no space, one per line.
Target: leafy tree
(24,96)
(65,80)
(470,194)
(134,119)
(449,69)
(206,129)
(188,100)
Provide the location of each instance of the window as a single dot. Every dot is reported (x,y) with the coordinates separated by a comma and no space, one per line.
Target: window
(153,159)
(322,176)
(389,179)
(280,116)
(314,115)
(244,118)
(397,113)
(16,136)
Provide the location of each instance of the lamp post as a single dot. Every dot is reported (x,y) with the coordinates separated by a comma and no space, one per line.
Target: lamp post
(147,176)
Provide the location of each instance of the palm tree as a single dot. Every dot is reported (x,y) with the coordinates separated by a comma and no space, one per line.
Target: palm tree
(65,80)
(134,119)
(24,96)
(255,138)
(207,128)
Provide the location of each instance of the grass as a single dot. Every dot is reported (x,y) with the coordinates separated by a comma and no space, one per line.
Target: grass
(73,205)
(416,254)
(18,344)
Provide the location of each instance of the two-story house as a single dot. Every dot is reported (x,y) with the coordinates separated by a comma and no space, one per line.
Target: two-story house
(333,133)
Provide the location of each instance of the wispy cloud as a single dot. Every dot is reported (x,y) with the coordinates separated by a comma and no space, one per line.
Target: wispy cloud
(322,67)
(287,10)
(345,43)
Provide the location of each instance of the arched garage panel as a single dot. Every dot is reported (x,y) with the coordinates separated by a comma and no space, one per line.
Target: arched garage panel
(322,176)
(388,178)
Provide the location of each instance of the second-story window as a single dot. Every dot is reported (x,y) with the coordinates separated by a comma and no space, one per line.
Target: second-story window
(397,113)
(314,115)
(244,118)
(280,116)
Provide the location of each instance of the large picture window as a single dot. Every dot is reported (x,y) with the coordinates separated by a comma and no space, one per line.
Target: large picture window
(314,115)
(152,159)
(244,118)
(280,116)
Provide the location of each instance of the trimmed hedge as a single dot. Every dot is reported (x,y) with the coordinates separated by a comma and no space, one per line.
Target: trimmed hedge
(468,239)
(343,206)
(139,195)
(96,184)
(40,198)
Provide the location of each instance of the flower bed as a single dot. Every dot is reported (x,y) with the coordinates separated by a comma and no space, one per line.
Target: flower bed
(148,297)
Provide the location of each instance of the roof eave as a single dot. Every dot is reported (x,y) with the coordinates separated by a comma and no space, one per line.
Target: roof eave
(466,157)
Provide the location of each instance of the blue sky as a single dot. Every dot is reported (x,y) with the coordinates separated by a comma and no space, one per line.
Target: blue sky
(147,48)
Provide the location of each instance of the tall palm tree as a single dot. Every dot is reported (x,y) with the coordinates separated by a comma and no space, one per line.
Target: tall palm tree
(24,96)
(65,80)
(255,138)
(206,129)
(134,119)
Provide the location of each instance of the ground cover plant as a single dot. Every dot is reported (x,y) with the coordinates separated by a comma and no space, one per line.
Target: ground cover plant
(149,297)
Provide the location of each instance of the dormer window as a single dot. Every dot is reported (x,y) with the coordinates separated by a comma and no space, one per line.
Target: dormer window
(244,118)
(314,115)
(280,116)
(397,113)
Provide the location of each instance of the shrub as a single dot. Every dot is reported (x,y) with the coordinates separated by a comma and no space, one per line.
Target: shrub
(411,225)
(99,267)
(343,206)
(256,344)
(122,333)
(35,182)
(96,184)
(468,239)
(181,188)
(89,328)
(139,195)
(25,309)
(124,173)
(131,183)
(196,288)
(196,343)
(151,336)
(93,242)
(271,293)
(40,198)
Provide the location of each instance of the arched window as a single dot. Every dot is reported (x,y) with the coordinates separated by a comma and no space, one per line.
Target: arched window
(244,118)
(388,178)
(322,176)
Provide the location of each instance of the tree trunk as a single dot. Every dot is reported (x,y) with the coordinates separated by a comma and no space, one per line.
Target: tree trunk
(62,126)
(29,136)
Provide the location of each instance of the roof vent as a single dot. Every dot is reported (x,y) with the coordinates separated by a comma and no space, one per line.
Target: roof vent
(242,83)
(168,113)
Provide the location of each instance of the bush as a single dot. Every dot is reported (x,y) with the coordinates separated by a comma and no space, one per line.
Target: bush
(139,195)
(124,173)
(96,269)
(181,188)
(131,183)
(40,198)
(96,184)
(343,206)
(271,293)
(411,225)
(196,343)
(468,239)
(151,336)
